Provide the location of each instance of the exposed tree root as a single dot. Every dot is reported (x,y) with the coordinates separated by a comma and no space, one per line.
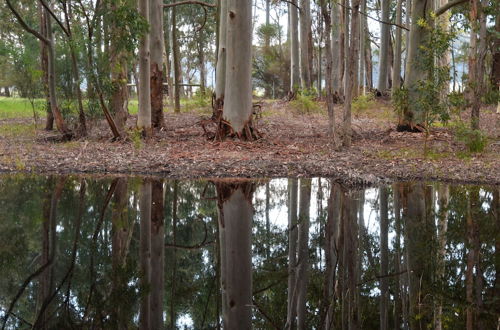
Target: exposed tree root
(410,127)
(223,128)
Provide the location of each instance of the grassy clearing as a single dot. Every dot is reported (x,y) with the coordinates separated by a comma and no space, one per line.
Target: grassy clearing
(18,130)
(13,107)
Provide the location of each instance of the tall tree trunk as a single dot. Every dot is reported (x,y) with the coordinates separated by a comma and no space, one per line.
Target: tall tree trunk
(292,253)
(119,97)
(397,257)
(156,66)
(477,54)
(56,113)
(305,54)
(201,63)
(157,255)
(368,56)
(44,61)
(385,35)
(238,97)
(384,259)
(220,75)
(235,220)
(145,254)
(396,70)
(176,62)
(294,47)
(330,98)
(352,71)
(168,52)
(362,46)
(144,115)
(337,51)
(303,252)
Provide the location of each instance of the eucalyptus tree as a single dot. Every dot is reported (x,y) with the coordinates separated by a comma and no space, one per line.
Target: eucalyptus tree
(238,109)
(385,43)
(220,82)
(156,63)
(144,115)
(145,204)
(396,70)
(48,40)
(294,48)
(305,44)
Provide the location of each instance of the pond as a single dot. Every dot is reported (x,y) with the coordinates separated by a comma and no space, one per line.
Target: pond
(120,253)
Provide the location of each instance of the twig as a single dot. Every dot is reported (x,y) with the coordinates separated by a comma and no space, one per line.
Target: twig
(189,2)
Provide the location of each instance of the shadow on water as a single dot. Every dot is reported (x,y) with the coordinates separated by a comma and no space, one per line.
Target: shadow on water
(238,254)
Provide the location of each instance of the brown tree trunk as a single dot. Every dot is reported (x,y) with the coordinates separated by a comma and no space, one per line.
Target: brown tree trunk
(157,47)
(157,255)
(44,61)
(145,254)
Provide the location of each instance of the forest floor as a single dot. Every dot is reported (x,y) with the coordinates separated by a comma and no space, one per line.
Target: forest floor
(293,145)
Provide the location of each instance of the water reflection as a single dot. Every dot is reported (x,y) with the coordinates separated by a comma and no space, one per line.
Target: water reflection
(239,254)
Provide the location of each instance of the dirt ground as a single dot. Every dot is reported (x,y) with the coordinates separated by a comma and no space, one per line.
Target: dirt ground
(294,145)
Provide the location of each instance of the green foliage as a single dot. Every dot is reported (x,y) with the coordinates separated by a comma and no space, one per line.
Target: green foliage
(362,103)
(400,101)
(135,136)
(305,104)
(270,31)
(473,139)
(457,102)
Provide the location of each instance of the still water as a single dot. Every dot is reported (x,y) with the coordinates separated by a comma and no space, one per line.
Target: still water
(101,253)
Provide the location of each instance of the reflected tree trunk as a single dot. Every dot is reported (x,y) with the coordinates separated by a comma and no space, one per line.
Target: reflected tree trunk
(234,203)
(443,200)
(145,254)
(292,252)
(303,251)
(157,255)
(397,258)
(384,258)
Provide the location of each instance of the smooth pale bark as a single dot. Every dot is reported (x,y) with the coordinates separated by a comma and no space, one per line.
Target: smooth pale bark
(144,115)
(220,76)
(305,35)
(292,253)
(352,71)
(385,35)
(238,97)
(235,220)
(294,47)
(303,251)
(362,46)
(156,65)
(157,255)
(396,70)
(329,70)
(56,112)
(415,72)
(201,63)
(176,62)
(367,55)
(145,254)
(384,259)
(337,52)
(44,64)
(445,60)
(443,200)
(166,59)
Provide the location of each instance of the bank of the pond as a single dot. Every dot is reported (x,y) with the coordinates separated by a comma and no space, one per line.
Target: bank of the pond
(294,145)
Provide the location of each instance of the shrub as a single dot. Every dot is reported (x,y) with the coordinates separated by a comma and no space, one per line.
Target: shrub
(304,104)
(475,140)
(362,103)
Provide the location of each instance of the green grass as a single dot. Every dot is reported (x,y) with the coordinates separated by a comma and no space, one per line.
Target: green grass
(13,107)
(17,130)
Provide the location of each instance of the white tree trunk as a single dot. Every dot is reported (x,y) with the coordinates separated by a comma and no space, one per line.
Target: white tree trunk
(294,47)
(144,115)
(238,96)
(305,55)
(220,75)
(396,71)
(157,47)
(385,35)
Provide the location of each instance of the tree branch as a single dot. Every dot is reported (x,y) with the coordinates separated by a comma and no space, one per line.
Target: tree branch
(441,10)
(25,26)
(49,10)
(189,2)
(292,3)
(376,19)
